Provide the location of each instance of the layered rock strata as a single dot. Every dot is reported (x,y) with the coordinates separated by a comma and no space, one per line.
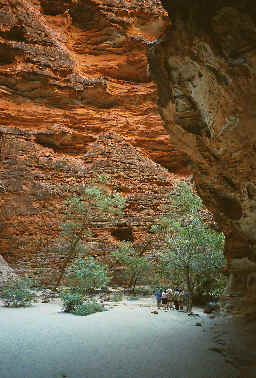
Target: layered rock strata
(35,182)
(70,70)
(205,69)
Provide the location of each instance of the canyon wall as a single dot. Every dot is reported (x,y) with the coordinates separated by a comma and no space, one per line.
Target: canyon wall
(36,182)
(70,70)
(205,69)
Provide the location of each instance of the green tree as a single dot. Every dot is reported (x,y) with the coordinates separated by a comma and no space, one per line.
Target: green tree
(97,205)
(136,265)
(87,274)
(191,250)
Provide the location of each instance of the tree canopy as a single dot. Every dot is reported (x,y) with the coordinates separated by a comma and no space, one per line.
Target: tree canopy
(97,204)
(190,250)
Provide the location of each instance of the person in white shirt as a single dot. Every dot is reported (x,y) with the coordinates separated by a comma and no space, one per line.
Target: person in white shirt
(164,300)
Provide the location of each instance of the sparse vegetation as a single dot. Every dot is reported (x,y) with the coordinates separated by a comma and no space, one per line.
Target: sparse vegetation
(85,275)
(136,266)
(18,293)
(71,300)
(118,297)
(133,298)
(88,308)
(97,204)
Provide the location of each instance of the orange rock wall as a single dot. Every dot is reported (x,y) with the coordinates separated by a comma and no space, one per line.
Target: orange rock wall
(70,70)
(36,182)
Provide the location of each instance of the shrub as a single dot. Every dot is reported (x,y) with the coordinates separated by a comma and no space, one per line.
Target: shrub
(18,294)
(116,297)
(71,300)
(88,308)
(87,275)
(133,298)
(74,303)
(136,266)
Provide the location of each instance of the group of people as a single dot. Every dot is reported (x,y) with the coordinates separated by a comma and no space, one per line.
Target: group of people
(172,299)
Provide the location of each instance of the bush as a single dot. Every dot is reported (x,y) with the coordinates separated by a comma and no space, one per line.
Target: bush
(18,294)
(133,298)
(74,303)
(86,275)
(136,266)
(116,298)
(88,308)
(71,300)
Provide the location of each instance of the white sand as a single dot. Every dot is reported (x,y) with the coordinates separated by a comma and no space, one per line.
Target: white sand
(127,341)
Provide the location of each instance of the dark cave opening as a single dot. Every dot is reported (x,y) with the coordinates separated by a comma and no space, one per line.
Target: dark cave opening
(17,33)
(7,56)
(123,233)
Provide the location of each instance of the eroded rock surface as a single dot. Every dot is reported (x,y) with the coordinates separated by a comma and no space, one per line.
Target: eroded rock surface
(70,70)
(36,181)
(205,69)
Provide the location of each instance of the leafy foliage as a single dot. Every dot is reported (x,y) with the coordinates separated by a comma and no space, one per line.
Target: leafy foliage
(136,265)
(87,274)
(191,252)
(75,303)
(18,293)
(133,298)
(194,246)
(71,300)
(95,205)
(118,297)
(88,308)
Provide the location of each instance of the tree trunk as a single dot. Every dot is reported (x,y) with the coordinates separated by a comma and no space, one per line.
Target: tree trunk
(189,299)
(66,262)
(134,283)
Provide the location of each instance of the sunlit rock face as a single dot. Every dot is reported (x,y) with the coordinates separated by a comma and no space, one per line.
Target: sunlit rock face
(72,69)
(205,69)
(36,182)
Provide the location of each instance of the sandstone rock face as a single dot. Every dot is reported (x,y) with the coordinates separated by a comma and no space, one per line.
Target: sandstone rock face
(35,183)
(6,272)
(205,69)
(70,70)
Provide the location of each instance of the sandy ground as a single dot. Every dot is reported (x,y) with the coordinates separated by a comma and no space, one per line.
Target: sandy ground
(126,341)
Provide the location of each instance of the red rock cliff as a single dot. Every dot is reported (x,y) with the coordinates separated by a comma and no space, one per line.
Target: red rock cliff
(35,182)
(72,69)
